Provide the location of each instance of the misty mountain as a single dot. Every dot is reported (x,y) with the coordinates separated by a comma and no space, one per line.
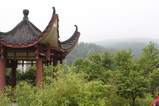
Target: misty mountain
(136,44)
(84,49)
(115,42)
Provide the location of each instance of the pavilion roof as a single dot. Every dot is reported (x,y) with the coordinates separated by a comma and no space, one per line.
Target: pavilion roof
(26,34)
(23,34)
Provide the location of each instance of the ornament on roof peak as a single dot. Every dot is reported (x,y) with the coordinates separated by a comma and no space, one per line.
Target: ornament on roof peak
(25,12)
(54,10)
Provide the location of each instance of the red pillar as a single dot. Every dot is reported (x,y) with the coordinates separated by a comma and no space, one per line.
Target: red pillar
(14,66)
(39,72)
(55,63)
(2,74)
(13,84)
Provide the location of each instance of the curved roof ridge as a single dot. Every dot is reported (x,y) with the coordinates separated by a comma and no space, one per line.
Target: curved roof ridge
(69,44)
(25,18)
(13,30)
(52,17)
(51,32)
(33,27)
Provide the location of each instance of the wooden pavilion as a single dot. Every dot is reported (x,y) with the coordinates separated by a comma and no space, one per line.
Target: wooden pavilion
(25,42)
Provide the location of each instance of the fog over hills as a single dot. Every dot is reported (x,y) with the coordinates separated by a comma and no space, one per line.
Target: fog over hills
(115,42)
(136,44)
(112,45)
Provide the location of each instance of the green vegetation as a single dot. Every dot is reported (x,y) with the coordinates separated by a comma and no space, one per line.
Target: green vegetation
(84,49)
(99,79)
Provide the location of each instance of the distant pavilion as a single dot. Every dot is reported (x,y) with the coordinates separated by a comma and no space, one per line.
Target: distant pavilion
(25,42)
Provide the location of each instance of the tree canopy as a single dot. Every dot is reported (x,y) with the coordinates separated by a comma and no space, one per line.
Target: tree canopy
(96,79)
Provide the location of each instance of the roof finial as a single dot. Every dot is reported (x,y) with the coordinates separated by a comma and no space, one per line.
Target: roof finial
(54,10)
(25,12)
(76,27)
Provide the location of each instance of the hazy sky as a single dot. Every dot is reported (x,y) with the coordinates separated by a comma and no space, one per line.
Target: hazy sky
(96,19)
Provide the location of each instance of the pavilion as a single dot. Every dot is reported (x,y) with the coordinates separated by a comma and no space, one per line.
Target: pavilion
(25,42)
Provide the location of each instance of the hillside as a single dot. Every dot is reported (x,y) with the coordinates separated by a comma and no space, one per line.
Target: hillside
(84,49)
(136,44)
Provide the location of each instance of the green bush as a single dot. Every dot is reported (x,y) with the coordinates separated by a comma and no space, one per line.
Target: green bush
(70,89)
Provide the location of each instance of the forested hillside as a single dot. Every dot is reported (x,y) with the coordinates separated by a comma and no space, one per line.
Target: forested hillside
(83,49)
(136,44)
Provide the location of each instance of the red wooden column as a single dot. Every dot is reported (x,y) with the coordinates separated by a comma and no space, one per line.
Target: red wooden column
(2,74)
(39,67)
(14,66)
(13,84)
(39,72)
(55,63)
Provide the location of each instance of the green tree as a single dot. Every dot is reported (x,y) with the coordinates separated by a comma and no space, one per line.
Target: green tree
(91,66)
(81,64)
(28,76)
(154,80)
(108,61)
(149,58)
(85,49)
(124,60)
(132,86)
(95,69)
(70,89)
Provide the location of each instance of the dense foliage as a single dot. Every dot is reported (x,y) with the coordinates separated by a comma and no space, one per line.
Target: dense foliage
(84,49)
(99,79)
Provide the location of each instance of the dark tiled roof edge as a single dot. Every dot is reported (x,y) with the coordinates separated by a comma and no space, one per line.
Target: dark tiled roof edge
(22,34)
(69,44)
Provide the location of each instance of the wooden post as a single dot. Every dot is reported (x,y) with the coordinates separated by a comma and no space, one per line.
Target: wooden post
(14,66)
(55,63)
(39,67)
(2,74)
(13,85)
(39,72)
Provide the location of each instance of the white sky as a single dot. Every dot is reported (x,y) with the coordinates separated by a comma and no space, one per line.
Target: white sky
(96,19)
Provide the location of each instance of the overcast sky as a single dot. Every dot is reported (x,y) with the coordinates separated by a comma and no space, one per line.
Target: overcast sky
(96,19)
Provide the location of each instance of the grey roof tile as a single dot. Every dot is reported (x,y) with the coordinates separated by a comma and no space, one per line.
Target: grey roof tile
(71,42)
(24,33)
